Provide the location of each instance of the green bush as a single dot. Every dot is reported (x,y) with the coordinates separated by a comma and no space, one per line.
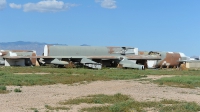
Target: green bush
(121,107)
(36,110)
(2,73)
(17,90)
(98,99)
(181,107)
(3,88)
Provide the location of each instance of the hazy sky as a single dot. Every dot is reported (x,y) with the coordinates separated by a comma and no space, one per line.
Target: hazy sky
(161,25)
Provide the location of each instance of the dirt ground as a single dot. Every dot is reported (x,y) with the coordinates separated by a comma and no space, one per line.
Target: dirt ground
(39,96)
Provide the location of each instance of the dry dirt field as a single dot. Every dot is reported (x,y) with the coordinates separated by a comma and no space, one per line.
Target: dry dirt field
(39,96)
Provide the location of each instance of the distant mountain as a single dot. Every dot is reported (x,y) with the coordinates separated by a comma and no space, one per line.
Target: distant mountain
(85,45)
(21,45)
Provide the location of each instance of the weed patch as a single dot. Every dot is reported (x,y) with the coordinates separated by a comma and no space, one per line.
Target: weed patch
(17,90)
(181,107)
(97,99)
(123,103)
(190,81)
(3,89)
(56,108)
(34,109)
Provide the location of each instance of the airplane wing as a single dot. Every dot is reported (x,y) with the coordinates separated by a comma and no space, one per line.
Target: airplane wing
(124,61)
(130,64)
(130,57)
(59,62)
(86,60)
(91,64)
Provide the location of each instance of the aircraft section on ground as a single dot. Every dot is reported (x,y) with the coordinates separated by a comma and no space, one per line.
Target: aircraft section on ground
(18,58)
(97,56)
(168,59)
(93,57)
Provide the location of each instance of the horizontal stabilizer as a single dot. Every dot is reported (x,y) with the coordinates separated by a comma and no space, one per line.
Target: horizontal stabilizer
(130,64)
(91,64)
(58,62)
(85,60)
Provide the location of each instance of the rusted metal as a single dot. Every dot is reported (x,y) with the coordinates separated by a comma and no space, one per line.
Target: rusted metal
(70,65)
(33,60)
(141,53)
(170,60)
(112,49)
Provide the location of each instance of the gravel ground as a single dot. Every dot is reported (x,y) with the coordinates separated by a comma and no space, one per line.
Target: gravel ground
(39,96)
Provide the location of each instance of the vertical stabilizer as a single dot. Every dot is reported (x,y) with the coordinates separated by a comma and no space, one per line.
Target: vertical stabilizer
(46,50)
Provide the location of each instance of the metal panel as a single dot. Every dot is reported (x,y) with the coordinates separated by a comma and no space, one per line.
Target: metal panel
(15,62)
(83,50)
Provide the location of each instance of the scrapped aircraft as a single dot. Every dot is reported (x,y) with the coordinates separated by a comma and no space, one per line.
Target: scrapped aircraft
(96,57)
(168,59)
(17,58)
(93,57)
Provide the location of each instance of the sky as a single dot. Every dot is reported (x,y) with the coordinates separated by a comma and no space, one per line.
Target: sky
(150,25)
